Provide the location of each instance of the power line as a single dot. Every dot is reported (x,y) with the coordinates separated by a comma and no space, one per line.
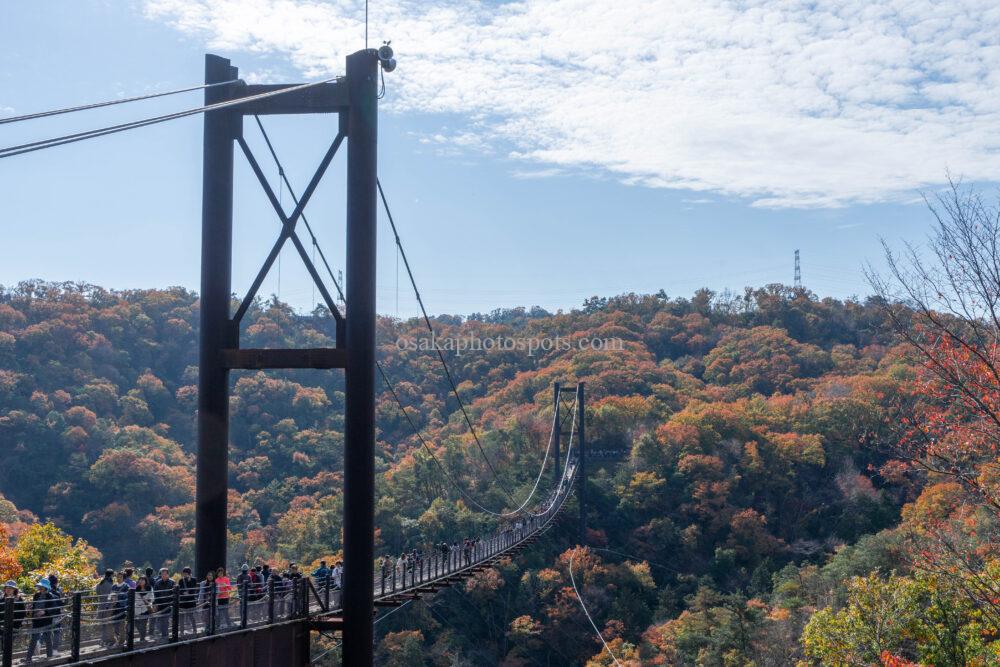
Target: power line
(430,327)
(108,103)
(20,149)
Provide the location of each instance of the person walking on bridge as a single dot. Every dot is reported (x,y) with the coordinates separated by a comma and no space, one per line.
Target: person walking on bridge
(119,607)
(207,591)
(105,605)
(58,604)
(386,569)
(255,592)
(225,586)
(143,609)
(322,575)
(163,600)
(247,583)
(41,619)
(337,575)
(401,567)
(11,592)
(188,587)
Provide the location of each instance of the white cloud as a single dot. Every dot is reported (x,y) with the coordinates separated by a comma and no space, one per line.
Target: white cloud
(789,103)
(455,142)
(530,174)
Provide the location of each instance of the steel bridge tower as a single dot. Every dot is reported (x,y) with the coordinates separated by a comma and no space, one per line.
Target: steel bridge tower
(354,99)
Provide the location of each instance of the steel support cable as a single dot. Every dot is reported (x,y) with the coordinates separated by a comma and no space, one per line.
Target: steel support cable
(441,467)
(463,596)
(381,369)
(423,441)
(390,613)
(587,613)
(541,470)
(430,327)
(315,242)
(20,149)
(326,652)
(109,103)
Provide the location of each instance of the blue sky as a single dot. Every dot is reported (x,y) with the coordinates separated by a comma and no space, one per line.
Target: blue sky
(534,153)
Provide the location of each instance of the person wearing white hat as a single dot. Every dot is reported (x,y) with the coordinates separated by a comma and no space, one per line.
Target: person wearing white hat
(11,592)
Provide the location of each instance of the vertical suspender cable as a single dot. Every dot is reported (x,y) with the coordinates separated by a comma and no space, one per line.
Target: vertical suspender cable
(444,364)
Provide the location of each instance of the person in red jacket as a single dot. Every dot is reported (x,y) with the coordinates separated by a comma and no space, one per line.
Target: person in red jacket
(224,587)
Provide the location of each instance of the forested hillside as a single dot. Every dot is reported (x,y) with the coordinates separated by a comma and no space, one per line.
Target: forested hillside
(767,512)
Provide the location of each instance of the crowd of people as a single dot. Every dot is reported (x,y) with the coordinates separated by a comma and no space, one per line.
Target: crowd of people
(41,614)
(410,564)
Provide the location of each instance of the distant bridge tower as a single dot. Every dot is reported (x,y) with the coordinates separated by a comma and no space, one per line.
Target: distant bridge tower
(556,434)
(798,271)
(581,489)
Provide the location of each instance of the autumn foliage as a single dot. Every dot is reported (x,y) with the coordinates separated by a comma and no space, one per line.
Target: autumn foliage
(781,456)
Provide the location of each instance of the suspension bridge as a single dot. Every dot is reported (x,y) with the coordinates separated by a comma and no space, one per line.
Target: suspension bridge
(275,626)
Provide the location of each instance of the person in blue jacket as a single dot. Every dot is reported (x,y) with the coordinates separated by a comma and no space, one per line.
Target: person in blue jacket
(42,608)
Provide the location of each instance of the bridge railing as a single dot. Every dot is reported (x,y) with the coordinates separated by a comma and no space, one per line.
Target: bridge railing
(85,625)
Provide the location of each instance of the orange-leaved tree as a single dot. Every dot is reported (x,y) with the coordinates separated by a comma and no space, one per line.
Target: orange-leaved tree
(944,301)
(10,567)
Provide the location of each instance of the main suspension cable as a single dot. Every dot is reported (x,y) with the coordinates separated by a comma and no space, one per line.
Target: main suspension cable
(381,369)
(441,467)
(430,328)
(20,149)
(108,103)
